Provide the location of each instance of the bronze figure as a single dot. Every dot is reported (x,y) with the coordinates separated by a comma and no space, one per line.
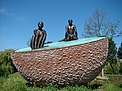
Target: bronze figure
(39,37)
(71,31)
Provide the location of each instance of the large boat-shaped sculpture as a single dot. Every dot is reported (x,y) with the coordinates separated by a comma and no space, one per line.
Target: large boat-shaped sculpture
(63,63)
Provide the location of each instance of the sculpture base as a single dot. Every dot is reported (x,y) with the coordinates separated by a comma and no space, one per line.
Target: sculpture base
(66,65)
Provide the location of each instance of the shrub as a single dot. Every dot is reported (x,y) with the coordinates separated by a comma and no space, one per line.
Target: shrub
(6,66)
(116,67)
(120,67)
(14,82)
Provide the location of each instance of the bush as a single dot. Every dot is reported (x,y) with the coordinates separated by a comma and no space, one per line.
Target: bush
(120,67)
(14,82)
(116,67)
(6,66)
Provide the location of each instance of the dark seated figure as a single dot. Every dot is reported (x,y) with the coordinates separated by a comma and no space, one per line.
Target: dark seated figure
(71,31)
(39,37)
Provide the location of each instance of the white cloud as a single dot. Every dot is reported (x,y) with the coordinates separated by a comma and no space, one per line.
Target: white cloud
(5,11)
(8,13)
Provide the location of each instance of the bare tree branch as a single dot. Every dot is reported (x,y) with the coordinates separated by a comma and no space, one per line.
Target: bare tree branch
(100,25)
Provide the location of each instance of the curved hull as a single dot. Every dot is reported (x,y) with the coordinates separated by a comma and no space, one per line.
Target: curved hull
(77,64)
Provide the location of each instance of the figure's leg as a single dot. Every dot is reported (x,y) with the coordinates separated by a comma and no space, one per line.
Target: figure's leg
(41,40)
(70,37)
(32,42)
(75,38)
(36,41)
(66,37)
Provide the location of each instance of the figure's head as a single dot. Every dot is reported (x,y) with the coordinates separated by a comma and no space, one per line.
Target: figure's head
(40,24)
(70,21)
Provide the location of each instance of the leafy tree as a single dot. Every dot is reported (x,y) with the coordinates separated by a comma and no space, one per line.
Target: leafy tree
(6,66)
(112,62)
(119,53)
(112,50)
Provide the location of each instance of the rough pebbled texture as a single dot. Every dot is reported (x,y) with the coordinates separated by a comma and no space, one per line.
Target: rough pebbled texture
(77,64)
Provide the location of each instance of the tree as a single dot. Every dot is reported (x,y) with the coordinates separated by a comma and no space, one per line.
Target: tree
(111,58)
(100,25)
(6,66)
(119,53)
(112,50)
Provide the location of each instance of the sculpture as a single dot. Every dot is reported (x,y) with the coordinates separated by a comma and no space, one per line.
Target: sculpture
(39,37)
(71,32)
(62,63)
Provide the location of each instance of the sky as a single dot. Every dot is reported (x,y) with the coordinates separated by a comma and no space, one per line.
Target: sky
(18,18)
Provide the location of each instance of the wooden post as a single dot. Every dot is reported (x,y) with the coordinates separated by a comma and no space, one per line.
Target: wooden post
(102,72)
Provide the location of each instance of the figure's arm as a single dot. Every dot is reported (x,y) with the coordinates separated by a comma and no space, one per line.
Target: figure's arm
(45,33)
(76,34)
(66,32)
(32,42)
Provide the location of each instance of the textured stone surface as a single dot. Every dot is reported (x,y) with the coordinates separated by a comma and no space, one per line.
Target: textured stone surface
(77,64)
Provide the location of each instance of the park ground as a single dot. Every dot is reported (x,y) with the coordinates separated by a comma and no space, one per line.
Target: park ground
(15,82)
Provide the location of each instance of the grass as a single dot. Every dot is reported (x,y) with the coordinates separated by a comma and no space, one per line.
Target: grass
(15,82)
(114,83)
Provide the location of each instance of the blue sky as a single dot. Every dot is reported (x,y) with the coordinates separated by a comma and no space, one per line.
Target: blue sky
(18,18)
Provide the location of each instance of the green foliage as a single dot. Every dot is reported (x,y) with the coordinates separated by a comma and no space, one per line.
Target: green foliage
(115,69)
(120,67)
(112,64)
(15,82)
(100,25)
(114,83)
(112,50)
(6,66)
(116,79)
(119,53)
(110,87)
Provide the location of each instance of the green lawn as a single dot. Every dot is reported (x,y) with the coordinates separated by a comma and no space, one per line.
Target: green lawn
(15,82)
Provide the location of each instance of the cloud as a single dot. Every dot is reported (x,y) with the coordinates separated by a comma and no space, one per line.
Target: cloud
(13,15)
(4,11)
